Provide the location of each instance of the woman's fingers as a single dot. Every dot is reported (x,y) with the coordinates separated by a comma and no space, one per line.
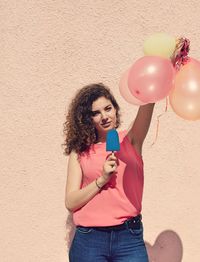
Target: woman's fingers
(111,157)
(112,162)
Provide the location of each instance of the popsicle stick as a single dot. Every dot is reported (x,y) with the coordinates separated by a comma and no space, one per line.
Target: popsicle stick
(113,155)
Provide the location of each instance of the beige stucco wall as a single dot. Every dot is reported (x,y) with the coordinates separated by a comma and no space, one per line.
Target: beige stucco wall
(48,49)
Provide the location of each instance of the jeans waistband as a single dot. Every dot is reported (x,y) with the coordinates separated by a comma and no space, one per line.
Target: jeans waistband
(134,223)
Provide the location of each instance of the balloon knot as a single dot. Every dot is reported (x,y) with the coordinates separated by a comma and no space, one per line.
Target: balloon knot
(180,54)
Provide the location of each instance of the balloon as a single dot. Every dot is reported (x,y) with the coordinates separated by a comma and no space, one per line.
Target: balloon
(193,61)
(151,78)
(125,92)
(160,44)
(184,98)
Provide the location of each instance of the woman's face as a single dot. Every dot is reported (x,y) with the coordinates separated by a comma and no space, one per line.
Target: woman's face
(103,115)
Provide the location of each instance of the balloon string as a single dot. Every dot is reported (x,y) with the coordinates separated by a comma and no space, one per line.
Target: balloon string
(158,122)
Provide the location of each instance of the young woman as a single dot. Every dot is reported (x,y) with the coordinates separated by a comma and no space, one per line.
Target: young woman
(104,192)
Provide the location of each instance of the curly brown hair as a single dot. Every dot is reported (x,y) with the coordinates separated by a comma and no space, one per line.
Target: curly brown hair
(79,129)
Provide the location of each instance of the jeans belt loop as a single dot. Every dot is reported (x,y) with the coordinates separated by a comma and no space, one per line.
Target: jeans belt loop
(127,225)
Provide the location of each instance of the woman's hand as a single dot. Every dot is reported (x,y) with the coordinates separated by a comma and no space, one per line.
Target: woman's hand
(110,167)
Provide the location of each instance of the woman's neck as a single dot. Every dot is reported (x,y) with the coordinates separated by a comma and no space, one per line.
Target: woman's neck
(101,139)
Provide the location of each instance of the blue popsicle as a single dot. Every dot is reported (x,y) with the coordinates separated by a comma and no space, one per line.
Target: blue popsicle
(112,141)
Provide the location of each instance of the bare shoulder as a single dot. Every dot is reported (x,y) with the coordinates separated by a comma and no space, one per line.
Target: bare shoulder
(73,156)
(74,164)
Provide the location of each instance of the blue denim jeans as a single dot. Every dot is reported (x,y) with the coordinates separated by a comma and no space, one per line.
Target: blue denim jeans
(92,245)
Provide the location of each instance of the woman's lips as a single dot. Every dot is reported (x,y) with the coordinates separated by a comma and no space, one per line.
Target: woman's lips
(106,125)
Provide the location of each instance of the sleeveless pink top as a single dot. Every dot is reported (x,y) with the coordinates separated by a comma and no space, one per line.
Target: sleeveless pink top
(121,197)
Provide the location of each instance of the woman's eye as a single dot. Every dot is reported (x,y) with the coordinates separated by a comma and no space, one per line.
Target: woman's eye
(94,114)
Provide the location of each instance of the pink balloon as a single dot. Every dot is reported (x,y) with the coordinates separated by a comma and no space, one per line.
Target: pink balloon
(125,92)
(151,78)
(184,98)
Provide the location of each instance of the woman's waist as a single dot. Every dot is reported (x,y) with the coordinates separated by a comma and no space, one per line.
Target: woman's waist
(134,222)
(104,217)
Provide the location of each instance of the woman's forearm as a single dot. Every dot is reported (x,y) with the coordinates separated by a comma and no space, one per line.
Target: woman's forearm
(79,198)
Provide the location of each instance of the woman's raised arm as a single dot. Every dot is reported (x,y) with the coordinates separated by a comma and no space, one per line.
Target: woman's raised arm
(140,127)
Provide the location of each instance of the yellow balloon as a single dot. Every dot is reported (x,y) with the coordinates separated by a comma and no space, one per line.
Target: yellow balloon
(160,44)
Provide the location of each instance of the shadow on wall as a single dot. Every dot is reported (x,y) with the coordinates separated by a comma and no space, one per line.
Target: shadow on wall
(167,247)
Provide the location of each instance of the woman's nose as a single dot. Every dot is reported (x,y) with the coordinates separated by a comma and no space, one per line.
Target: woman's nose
(104,116)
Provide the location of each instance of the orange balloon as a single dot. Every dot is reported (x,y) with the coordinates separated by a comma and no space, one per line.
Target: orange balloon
(184,98)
